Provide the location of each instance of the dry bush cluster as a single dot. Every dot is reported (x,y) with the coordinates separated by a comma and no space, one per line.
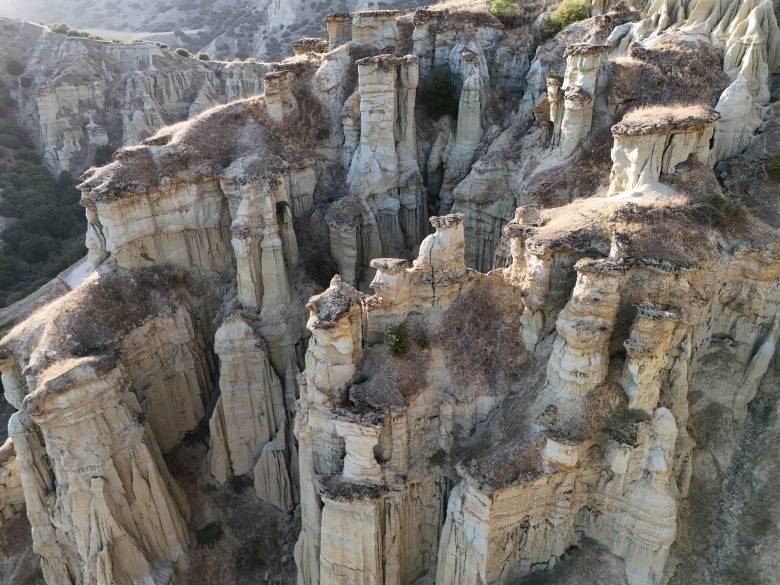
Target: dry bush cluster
(517,461)
(394,378)
(308,125)
(674,70)
(102,311)
(480,337)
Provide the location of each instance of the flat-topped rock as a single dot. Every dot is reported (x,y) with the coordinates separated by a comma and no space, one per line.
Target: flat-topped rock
(340,489)
(663,120)
(516,230)
(359,415)
(387,60)
(650,311)
(445,221)
(603,266)
(310,45)
(585,49)
(338,17)
(328,307)
(424,15)
(390,265)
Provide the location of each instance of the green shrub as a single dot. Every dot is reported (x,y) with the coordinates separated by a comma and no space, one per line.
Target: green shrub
(11,142)
(397,340)
(14,67)
(727,210)
(773,168)
(252,555)
(504,10)
(439,96)
(422,340)
(25,81)
(209,535)
(203,57)
(568,12)
(59,27)
(162,45)
(438,459)
(103,154)
(238,483)
(182,52)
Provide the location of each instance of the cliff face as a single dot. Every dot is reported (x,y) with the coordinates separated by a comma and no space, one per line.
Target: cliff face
(84,93)
(426,419)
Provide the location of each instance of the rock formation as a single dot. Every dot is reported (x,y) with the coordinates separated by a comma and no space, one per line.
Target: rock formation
(88,93)
(427,418)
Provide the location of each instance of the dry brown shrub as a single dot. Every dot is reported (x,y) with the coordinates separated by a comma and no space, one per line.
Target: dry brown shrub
(479,335)
(517,461)
(102,311)
(308,125)
(393,380)
(675,69)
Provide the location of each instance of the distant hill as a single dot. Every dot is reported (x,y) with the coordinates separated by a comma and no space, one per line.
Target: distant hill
(225,29)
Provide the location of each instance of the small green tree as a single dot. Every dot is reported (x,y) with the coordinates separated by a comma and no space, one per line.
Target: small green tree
(203,57)
(568,12)
(14,67)
(773,168)
(439,95)
(182,52)
(397,340)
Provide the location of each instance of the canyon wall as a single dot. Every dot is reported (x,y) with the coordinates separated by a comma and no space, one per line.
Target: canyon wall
(428,418)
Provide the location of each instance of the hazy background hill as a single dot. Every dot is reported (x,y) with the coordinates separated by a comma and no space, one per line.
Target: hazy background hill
(225,29)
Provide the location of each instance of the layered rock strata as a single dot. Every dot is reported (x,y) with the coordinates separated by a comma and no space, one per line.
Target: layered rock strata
(99,497)
(88,93)
(650,142)
(572,122)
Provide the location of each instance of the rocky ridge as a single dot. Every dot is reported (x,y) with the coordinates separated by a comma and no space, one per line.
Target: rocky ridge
(564,359)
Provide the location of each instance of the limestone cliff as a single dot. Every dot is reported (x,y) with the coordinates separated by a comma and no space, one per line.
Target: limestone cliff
(85,93)
(427,418)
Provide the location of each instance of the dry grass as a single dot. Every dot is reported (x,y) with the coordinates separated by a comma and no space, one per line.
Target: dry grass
(671,230)
(479,335)
(673,69)
(395,379)
(104,310)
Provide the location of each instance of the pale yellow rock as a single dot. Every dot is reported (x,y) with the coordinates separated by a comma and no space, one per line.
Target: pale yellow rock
(11,492)
(119,516)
